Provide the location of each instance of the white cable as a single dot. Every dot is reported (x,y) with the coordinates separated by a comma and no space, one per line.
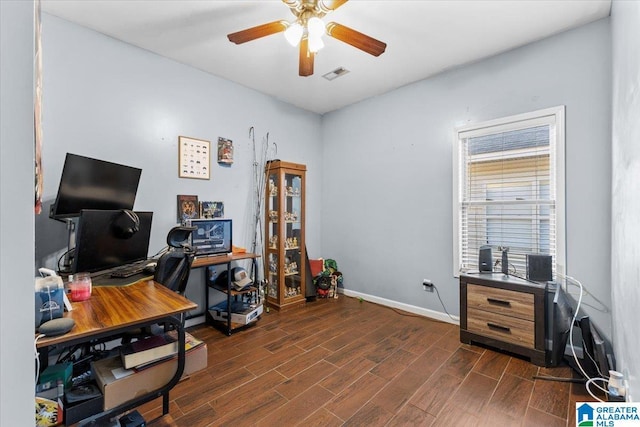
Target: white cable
(573,351)
(37,354)
(592,381)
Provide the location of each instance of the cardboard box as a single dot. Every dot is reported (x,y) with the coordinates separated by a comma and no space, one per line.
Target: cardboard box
(119,385)
(240,313)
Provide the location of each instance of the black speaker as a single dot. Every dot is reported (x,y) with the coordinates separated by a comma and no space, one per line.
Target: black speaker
(485,261)
(539,268)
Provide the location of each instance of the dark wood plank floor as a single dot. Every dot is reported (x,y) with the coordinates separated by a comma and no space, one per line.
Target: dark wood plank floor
(343,362)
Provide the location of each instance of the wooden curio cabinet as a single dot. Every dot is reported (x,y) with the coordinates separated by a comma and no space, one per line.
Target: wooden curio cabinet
(284,234)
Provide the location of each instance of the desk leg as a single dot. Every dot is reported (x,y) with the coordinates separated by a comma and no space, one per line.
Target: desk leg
(229,298)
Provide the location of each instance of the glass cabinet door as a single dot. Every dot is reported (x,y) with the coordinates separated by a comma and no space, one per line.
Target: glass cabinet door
(292,235)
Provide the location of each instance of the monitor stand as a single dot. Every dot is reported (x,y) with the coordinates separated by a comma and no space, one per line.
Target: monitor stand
(71,245)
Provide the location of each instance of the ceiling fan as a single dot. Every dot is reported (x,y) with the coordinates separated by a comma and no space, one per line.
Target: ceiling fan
(307,31)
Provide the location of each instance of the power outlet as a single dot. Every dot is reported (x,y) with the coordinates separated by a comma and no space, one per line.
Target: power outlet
(427,285)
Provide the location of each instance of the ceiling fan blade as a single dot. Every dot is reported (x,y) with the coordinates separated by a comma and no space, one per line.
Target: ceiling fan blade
(329,5)
(356,39)
(257,32)
(306,58)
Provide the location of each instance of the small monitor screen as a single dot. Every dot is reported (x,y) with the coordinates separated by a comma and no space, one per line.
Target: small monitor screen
(88,183)
(102,244)
(211,236)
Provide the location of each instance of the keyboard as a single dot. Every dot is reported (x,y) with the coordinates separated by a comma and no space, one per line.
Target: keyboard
(129,269)
(126,272)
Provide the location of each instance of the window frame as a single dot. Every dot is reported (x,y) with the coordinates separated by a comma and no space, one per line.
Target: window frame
(549,116)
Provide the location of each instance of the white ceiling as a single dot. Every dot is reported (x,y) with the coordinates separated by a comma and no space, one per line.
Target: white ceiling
(424,37)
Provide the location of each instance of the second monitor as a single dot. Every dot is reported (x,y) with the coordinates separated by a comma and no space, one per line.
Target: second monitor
(110,238)
(212,236)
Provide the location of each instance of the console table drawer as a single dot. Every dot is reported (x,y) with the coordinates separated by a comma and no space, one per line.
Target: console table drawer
(502,301)
(501,327)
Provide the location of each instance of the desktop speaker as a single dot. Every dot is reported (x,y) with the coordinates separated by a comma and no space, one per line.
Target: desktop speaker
(485,262)
(539,268)
(58,326)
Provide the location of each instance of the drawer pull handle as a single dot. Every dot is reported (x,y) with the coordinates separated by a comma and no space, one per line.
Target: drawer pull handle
(498,327)
(498,302)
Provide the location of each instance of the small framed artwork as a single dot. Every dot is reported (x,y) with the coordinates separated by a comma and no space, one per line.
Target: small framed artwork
(187,208)
(225,151)
(194,158)
(211,209)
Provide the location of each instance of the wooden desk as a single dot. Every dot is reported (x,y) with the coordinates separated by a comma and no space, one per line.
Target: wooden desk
(112,310)
(206,261)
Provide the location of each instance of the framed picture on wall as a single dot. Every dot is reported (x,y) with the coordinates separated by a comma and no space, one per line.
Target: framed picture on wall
(187,208)
(194,158)
(225,151)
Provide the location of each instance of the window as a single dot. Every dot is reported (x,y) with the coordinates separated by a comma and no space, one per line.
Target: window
(509,189)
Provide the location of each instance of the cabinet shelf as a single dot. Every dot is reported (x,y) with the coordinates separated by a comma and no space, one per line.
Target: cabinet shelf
(234,292)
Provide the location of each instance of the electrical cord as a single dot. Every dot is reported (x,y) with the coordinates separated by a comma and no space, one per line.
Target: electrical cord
(442,303)
(37,355)
(573,351)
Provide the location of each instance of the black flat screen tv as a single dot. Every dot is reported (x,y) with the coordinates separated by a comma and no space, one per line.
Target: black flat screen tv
(88,183)
(561,326)
(101,246)
(211,236)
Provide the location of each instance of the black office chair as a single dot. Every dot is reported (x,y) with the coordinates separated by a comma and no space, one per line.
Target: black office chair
(174,266)
(172,271)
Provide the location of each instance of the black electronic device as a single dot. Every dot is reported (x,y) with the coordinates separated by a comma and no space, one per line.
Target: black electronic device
(100,246)
(588,362)
(58,326)
(603,357)
(505,261)
(485,259)
(88,183)
(211,236)
(132,419)
(561,325)
(539,268)
(596,357)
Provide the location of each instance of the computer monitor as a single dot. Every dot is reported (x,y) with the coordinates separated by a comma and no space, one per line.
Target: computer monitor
(88,183)
(211,236)
(102,244)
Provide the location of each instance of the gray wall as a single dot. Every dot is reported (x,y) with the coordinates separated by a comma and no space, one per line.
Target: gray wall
(625,250)
(16,211)
(387,180)
(113,101)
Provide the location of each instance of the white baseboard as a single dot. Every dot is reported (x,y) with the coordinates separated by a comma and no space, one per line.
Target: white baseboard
(436,315)
(432,314)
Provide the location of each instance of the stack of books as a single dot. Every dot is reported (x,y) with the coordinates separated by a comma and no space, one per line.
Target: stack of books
(154,349)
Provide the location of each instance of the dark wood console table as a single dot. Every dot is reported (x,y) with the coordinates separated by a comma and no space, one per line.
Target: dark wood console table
(504,312)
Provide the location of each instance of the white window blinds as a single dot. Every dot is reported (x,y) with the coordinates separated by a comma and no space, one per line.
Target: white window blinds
(508,190)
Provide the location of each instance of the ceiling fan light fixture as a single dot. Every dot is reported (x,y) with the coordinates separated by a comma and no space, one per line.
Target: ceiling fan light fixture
(315,43)
(315,26)
(293,33)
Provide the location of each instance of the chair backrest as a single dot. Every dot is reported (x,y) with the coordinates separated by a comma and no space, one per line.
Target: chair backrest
(172,270)
(174,266)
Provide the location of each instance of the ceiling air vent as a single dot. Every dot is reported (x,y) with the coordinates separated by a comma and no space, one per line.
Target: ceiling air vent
(332,75)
